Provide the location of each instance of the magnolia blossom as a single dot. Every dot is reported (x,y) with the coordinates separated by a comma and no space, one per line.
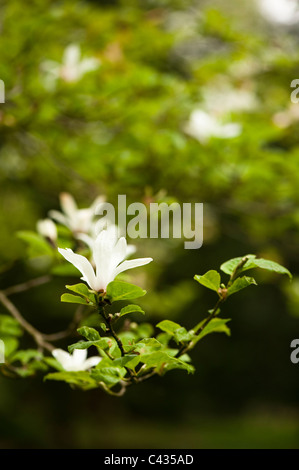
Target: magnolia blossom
(72,67)
(223,99)
(47,229)
(108,256)
(113,232)
(77,220)
(287,117)
(77,361)
(280,11)
(202,126)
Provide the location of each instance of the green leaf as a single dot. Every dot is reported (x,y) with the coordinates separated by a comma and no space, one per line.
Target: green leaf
(25,356)
(108,372)
(271,266)
(37,245)
(162,362)
(179,333)
(148,345)
(80,379)
(168,326)
(9,326)
(240,283)
(11,344)
(216,325)
(119,290)
(103,343)
(229,266)
(211,280)
(89,333)
(131,309)
(82,290)
(73,299)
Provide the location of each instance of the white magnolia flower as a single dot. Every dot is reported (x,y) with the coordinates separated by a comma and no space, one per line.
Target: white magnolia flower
(113,232)
(286,118)
(280,11)
(202,126)
(77,361)
(47,229)
(108,256)
(72,67)
(221,100)
(77,220)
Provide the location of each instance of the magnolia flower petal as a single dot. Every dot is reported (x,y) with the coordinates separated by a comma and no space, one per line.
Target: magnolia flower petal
(120,251)
(59,217)
(79,356)
(68,204)
(91,362)
(130,264)
(82,264)
(88,64)
(63,357)
(47,229)
(87,239)
(71,55)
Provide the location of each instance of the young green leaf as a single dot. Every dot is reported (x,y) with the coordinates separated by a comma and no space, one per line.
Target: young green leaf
(131,309)
(103,343)
(82,290)
(216,325)
(240,283)
(108,372)
(73,299)
(162,362)
(82,380)
(119,290)
(229,266)
(211,280)
(179,333)
(9,326)
(89,333)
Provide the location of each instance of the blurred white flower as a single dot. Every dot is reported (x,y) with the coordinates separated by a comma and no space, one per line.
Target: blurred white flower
(77,220)
(77,361)
(202,126)
(72,67)
(221,100)
(286,118)
(47,229)
(113,232)
(108,256)
(280,11)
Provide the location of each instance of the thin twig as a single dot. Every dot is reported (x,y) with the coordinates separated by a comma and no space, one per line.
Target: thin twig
(26,285)
(37,335)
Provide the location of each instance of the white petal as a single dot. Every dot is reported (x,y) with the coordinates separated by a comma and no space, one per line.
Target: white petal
(120,251)
(63,357)
(82,264)
(71,55)
(130,264)
(47,228)
(68,204)
(91,362)
(89,64)
(59,217)
(79,357)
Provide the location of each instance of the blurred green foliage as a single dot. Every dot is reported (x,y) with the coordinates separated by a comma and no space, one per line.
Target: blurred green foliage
(121,129)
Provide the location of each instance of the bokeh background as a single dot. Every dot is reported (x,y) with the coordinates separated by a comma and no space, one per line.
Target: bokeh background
(180,100)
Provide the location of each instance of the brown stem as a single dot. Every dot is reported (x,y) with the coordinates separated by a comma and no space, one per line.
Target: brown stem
(26,285)
(37,335)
